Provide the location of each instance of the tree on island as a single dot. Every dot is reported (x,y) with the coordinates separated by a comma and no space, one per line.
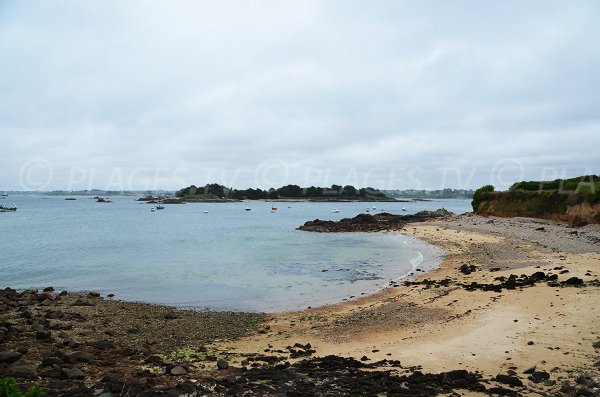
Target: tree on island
(214,190)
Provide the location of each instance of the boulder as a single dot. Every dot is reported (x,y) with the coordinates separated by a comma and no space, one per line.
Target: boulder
(72,373)
(574,281)
(222,364)
(22,369)
(539,376)
(9,357)
(43,335)
(178,371)
(509,380)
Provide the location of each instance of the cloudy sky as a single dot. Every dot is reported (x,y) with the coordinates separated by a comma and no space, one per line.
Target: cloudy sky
(392,94)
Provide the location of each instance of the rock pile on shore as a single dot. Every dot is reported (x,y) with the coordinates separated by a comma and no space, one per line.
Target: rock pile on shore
(373,223)
(84,345)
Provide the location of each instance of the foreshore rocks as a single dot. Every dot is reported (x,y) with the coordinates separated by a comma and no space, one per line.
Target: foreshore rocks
(92,352)
(373,223)
(511,282)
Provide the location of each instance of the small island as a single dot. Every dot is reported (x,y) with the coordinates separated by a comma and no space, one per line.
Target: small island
(216,193)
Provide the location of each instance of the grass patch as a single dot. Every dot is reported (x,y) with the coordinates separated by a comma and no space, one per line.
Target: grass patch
(8,388)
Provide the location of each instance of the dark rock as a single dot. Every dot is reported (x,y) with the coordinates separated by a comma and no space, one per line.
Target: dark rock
(372,223)
(43,335)
(539,376)
(51,360)
(574,281)
(530,370)
(51,373)
(567,388)
(509,380)
(72,373)
(83,357)
(154,359)
(467,269)
(222,364)
(171,316)
(81,302)
(102,344)
(178,370)
(9,357)
(586,380)
(22,369)
(114,381)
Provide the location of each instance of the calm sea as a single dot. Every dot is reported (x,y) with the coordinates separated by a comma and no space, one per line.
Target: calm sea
(226,259)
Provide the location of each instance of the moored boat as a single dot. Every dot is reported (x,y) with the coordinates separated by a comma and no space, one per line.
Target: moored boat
(7,209)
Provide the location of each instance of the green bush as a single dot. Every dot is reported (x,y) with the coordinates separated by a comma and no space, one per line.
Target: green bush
(585,184)
(480,195)
(8,388)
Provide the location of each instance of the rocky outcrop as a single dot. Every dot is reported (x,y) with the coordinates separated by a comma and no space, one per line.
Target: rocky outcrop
(373,223)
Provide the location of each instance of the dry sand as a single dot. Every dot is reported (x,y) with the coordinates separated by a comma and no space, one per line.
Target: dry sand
(449,328)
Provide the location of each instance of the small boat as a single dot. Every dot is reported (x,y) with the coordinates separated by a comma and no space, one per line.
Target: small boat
(403,209)
(248,209)
(273,208)
(374,208)
(102,200)
(70,199)
(160,207)
(205,212)
(4,194)
(152,209)
(7,209)
(367,210)
(335,210)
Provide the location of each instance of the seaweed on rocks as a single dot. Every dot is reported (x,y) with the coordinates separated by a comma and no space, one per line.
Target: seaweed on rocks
(511,282)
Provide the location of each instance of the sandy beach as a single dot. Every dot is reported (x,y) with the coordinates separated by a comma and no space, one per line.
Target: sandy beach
(445,328)
(464,320)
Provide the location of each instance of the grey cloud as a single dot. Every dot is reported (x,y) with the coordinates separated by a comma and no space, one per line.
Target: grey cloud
(350,89)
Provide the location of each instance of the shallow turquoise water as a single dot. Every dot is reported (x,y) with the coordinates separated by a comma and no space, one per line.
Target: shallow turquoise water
(228,259)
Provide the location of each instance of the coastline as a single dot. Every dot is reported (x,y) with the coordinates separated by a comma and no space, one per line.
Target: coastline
(442,328)
(430,325)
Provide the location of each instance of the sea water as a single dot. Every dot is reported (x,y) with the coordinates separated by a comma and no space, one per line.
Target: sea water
(226,259)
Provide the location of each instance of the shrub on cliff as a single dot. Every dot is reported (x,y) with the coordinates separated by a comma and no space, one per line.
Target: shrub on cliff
(481,195)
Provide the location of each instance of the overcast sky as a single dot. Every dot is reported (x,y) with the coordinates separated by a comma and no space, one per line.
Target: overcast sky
(392,94)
